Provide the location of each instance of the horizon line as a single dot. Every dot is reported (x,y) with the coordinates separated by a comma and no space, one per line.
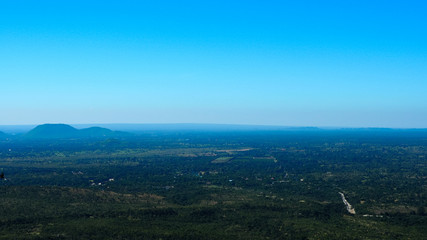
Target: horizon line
(218,124)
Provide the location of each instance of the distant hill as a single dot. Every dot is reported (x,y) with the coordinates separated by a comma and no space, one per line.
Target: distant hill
(64,131)
(95,131)
(53,131)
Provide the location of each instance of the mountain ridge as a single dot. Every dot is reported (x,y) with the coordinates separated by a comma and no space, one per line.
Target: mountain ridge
(64,131)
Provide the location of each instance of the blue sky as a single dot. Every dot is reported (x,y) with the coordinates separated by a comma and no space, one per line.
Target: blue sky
(292,63)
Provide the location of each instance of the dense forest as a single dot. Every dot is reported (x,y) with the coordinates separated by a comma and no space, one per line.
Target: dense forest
(194,184)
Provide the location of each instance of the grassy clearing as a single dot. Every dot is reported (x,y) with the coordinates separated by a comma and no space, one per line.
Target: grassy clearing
(222,160)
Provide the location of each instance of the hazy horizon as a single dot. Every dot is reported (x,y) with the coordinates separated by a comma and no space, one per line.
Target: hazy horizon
(182,126)
(277,63)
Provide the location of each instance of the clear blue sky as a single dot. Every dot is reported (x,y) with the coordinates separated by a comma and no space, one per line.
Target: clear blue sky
(294,63)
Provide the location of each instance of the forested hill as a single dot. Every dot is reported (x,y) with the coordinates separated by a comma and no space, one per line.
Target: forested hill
(63,131)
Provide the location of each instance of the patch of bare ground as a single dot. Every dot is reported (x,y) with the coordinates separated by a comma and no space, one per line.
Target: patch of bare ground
(208,203)
(230,151)
(394,209)
(222,160)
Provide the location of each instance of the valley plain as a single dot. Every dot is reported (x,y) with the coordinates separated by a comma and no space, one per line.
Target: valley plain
(214,184)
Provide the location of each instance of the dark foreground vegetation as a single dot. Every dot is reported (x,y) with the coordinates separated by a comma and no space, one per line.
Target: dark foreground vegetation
(216,185)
